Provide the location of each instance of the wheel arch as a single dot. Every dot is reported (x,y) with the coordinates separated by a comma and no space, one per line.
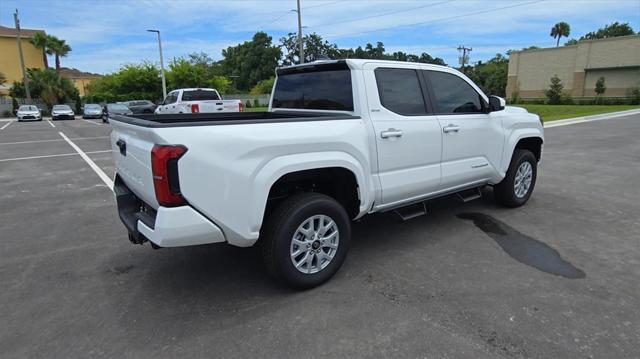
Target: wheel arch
(336,168)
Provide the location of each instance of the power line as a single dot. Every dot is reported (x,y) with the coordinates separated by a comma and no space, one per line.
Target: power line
(438,20)
(385,14)
(464,59)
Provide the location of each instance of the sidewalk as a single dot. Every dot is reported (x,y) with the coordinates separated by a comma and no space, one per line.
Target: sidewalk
(604,116)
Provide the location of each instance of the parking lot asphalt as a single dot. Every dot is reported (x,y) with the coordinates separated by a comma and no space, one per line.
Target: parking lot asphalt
(557,278)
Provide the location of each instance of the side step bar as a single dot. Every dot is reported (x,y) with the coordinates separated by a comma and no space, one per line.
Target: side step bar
(412,211)
(469,194)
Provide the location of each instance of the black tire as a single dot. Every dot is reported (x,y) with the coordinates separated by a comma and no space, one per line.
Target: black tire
(280,227)
(504,192)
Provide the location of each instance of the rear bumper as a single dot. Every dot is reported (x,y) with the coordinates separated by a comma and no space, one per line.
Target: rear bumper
(166,227)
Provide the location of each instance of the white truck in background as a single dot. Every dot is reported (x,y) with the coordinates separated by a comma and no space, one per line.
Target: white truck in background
(342,139)
(197,100)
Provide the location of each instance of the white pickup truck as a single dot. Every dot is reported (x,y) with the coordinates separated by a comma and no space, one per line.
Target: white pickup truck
(197,100)
(342,139)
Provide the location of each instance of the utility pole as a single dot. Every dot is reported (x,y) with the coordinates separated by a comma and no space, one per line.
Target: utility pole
(464,59)
(164,82)
(300,47)
(25,78)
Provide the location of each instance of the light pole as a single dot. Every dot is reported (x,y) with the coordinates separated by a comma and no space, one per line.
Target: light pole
(25,77)
(164,82)
(300,46)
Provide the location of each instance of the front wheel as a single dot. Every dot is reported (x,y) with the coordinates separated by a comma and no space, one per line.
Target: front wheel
(305,239)
(517,186)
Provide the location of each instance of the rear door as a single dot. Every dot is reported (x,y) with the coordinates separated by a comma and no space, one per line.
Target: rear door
(169,103)
(408,135)
(472,141)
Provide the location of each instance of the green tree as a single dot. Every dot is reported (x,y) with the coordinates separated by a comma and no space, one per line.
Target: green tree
(571,42)
(59,48)
(314,45)
(559,30)
(42,41)
(198,71)
(251,61)
(263,87)
(612,30)
(132,81)
(600,88)
(491,76)
(46,85)
(554,93)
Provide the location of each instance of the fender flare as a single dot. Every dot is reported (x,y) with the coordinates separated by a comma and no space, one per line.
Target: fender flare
(266,176)
(511,143)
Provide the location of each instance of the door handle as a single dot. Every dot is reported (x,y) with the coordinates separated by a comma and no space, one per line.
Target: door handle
(392,132)
(451,128)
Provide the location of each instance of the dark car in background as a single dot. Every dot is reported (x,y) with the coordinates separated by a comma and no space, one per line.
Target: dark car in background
(141,106)
(114,109)
(62,112)
(92,110)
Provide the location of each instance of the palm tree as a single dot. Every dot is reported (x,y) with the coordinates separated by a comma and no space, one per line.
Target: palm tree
(3,79)
(559,30)
(41,41)
(59,48)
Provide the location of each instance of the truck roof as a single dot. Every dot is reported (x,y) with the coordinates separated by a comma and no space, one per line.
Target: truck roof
(357,64)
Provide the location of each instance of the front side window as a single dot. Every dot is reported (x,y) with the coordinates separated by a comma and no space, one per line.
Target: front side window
(200,95)
(453,95)
(400,91)
(319,88)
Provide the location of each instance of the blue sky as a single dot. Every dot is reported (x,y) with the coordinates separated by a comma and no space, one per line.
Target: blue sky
(106,34)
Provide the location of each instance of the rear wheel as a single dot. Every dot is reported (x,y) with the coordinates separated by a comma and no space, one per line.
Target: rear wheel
(305,239)
(517,186)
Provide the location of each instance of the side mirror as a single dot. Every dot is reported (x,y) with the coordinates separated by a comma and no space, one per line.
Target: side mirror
(496,103)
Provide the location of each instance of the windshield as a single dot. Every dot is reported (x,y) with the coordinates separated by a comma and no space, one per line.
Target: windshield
(200,95)
(92,106)
(318,88)
(28,108)
(117,107)
(61,108)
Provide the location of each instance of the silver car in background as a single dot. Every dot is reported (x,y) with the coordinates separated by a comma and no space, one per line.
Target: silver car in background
(29,113)
(92,110)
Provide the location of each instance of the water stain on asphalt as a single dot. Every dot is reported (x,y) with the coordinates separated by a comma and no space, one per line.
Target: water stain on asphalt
(523,248)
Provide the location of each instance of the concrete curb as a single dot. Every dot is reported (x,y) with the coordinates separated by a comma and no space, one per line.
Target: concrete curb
(604,116)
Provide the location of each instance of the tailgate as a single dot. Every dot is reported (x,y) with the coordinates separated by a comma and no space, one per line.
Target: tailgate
(131,146)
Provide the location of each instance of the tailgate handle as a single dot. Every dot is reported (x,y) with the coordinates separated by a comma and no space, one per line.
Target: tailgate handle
(122,146)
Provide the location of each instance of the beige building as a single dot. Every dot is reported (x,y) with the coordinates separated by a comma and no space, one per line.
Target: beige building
(9,58)
(578,66)
(80,79)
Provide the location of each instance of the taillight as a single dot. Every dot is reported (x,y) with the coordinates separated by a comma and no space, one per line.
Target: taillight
(240,107)
(164,166)
(195,108)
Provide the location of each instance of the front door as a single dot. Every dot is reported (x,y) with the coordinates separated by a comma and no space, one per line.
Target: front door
(408,135)
(472,140)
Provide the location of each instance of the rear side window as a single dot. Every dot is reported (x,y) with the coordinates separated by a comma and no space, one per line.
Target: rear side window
(400,91)
(200,95)
(314,89)
(454,95)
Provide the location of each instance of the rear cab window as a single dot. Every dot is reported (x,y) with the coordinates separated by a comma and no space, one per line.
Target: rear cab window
(200,95)
(314,87)
(400,91)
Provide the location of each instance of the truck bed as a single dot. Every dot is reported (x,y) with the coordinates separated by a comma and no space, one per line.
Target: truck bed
(236,118)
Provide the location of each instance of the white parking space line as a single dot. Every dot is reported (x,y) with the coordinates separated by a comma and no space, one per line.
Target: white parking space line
(39,141)
(95,123)
(51,123)
(103,176)
(47,156)
(5,126)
